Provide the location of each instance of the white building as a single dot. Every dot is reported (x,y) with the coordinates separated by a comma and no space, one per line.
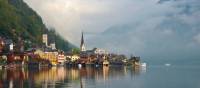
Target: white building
(53,46)
(11,46)
(100,51)
(61,59)
(45,39)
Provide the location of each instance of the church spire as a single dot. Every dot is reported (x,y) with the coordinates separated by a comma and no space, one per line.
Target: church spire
(82,46)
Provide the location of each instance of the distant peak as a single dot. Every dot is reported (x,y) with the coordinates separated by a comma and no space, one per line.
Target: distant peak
(164,1)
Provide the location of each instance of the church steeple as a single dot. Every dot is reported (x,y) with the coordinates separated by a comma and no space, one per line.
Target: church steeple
(82,46)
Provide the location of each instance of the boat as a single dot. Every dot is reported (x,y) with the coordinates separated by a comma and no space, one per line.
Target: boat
(143,64)
(79,65)
(167,64)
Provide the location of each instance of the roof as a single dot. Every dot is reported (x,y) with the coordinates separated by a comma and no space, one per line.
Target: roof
(8,41)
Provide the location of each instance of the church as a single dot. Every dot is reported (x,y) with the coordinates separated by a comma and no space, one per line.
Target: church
(82,46)
(91,56)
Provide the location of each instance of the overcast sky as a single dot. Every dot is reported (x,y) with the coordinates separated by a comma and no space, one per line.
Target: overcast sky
(148,28)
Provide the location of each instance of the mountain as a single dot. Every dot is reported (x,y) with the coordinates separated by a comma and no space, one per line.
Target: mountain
(164,33)
(163,1)
(17,19)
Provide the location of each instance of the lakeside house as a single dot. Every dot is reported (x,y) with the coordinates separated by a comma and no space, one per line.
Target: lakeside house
(15,53)
(48,55)
(72,57)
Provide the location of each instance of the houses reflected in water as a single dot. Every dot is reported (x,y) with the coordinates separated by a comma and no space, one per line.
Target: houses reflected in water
(57,77)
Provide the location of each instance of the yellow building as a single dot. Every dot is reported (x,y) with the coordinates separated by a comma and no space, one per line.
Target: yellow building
(51,56)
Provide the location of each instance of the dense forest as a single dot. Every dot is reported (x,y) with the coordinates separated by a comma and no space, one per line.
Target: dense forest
(17,19)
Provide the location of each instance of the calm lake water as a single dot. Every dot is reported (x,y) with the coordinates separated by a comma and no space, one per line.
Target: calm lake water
(103,77)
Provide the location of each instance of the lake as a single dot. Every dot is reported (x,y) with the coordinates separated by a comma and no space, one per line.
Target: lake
(102,77)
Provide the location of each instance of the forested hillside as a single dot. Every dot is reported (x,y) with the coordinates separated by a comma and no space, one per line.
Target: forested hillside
(17,19)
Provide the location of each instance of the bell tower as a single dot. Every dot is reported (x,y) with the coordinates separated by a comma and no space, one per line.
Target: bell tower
(82,46)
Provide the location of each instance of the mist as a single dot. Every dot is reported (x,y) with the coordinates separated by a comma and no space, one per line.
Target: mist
(157,30)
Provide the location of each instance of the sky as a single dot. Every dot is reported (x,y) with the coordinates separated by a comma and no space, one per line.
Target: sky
(158,30)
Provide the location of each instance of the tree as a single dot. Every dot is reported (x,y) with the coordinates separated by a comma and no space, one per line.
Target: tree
(75,51)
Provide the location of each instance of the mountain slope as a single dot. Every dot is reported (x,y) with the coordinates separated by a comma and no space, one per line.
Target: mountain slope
(17,19)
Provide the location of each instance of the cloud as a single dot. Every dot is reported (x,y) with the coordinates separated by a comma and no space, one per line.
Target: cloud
(161,34)
(165,29)
(197,38)
(69,17)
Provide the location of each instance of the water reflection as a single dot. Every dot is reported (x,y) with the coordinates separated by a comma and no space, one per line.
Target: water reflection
(57,77)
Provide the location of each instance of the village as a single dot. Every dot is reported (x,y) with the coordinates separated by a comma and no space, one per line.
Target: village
(13,55)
